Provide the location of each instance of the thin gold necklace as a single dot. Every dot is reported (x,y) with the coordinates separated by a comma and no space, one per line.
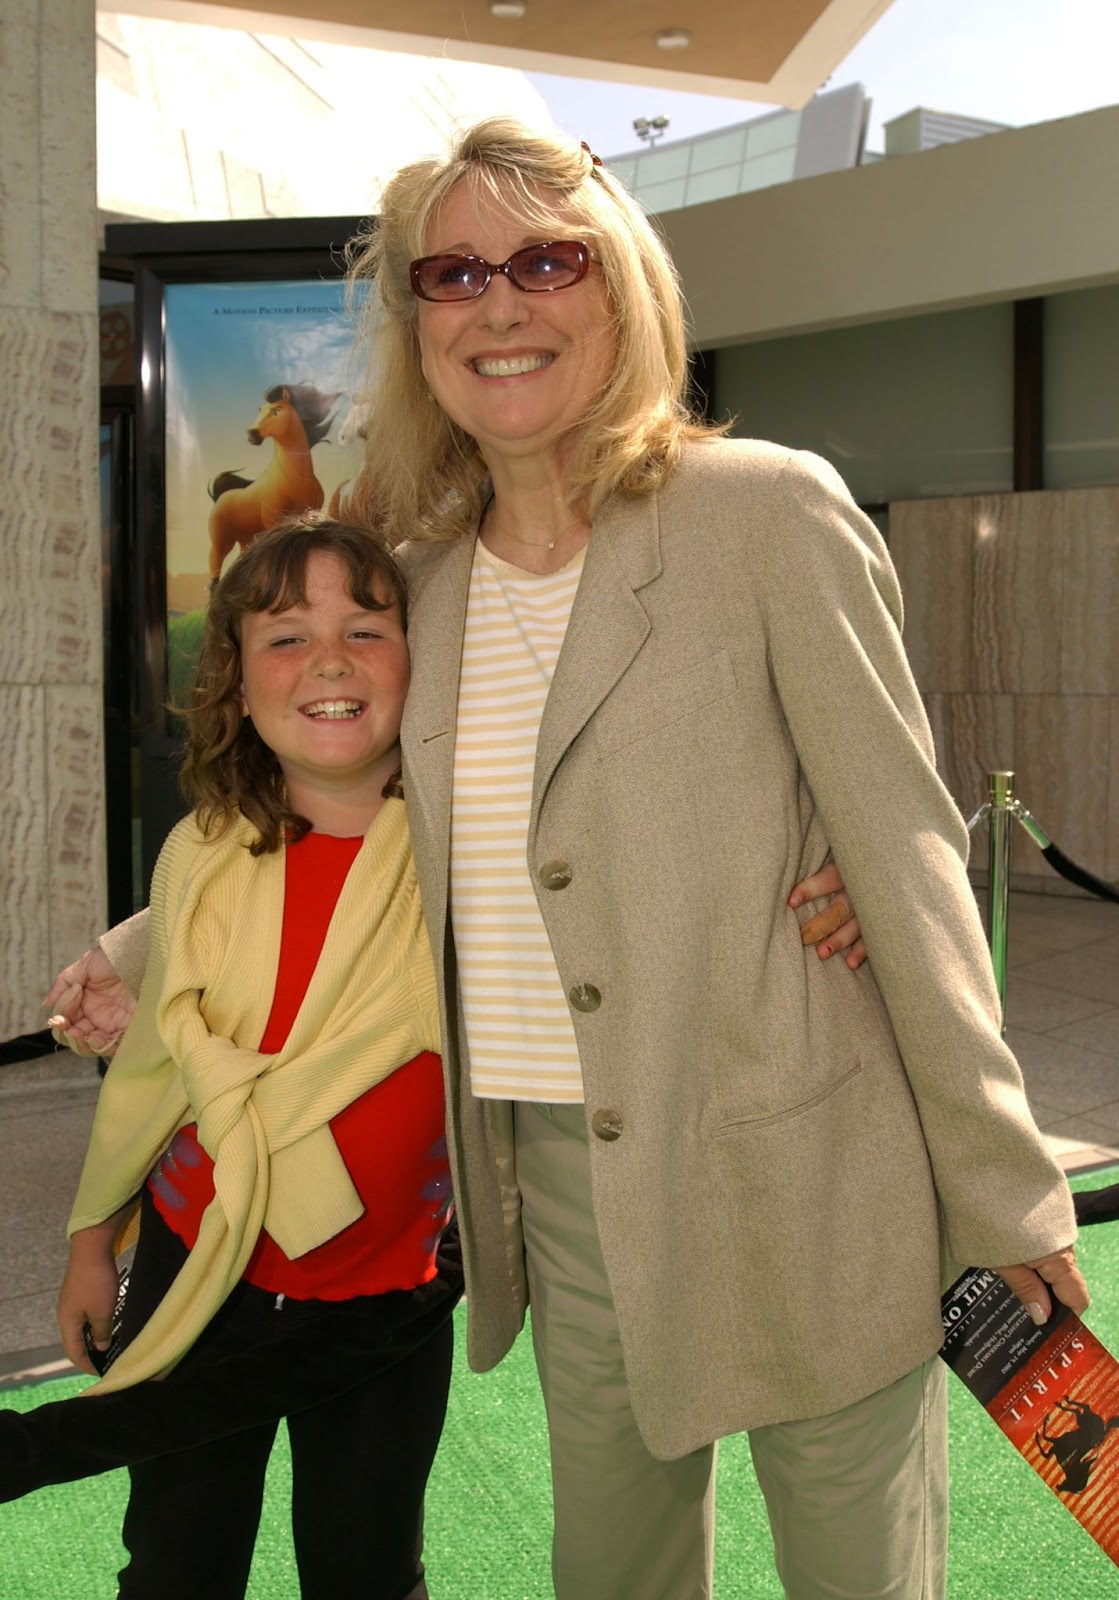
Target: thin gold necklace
(531,543)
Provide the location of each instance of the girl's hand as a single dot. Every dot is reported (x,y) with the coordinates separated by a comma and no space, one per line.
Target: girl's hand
(836,927)
(88,1293)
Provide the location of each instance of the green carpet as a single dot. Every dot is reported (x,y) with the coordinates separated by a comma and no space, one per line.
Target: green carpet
(488,1504)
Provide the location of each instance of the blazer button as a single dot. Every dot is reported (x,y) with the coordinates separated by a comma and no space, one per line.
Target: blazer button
(555,874)
(584,997)
(607,1125)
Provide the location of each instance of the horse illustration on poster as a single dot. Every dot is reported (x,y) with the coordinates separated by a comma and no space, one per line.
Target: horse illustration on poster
(295,417)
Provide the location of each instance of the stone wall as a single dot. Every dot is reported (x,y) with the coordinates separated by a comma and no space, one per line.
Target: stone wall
(52,870)
(1012,627)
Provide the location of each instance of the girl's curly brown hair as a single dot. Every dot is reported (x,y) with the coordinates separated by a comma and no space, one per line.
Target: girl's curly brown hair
(227,768)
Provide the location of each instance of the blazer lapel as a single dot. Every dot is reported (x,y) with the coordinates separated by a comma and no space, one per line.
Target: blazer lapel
(436,623)
(608,626)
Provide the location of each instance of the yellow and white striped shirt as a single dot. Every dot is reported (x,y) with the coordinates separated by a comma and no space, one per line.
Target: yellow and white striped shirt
(518,1025)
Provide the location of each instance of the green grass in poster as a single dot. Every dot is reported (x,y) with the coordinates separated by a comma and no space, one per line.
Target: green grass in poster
(184,640)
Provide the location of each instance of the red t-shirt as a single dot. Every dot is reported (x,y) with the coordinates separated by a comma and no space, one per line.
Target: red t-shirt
(392,1138)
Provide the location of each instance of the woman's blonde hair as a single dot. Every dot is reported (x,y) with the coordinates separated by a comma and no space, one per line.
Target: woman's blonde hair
(424,476)
(227,768)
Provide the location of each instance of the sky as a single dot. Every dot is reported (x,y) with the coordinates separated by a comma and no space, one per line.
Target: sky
(165,134)
(1011,61)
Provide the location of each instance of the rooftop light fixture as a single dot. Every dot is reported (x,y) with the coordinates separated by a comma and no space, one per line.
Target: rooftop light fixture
(649,128)
(509,9)
(674,39)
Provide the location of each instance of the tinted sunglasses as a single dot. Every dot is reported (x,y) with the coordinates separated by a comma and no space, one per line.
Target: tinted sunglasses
(536,269)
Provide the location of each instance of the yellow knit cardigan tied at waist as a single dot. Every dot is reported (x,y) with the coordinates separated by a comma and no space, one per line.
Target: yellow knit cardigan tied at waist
(189,1055)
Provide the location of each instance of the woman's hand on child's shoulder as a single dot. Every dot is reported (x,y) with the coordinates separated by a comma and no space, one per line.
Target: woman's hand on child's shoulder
(91,1005)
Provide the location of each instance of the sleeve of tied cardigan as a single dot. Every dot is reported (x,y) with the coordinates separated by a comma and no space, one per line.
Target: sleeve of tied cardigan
(141,1100)
(901,846)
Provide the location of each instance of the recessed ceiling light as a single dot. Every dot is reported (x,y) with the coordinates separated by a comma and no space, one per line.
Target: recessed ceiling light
(674,39)
(507,8)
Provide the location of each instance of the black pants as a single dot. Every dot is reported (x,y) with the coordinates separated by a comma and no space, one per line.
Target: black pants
(363,1384)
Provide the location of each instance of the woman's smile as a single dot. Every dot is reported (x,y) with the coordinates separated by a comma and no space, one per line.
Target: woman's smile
(512,366)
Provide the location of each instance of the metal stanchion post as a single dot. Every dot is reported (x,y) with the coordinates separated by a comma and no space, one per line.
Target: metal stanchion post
(1001,809)
(1001,801)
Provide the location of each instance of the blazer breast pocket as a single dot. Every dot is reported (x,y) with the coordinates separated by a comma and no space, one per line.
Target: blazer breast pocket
(645,703)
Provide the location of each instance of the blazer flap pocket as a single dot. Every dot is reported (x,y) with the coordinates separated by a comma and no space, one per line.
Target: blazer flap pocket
(746,1124)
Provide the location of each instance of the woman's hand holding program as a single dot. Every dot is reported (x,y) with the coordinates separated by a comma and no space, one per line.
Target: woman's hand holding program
(1037,1283)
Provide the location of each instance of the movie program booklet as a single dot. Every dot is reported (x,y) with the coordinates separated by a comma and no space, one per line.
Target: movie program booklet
(1054,1392)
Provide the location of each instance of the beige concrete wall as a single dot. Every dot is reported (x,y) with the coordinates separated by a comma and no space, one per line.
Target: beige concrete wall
(1010,215)
(1012,627)
(1012,600)
(52,872)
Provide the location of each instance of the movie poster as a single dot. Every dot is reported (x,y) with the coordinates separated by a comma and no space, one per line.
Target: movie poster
(260,423)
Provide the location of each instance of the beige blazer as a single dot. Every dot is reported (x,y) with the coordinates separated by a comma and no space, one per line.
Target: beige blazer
(800,1146)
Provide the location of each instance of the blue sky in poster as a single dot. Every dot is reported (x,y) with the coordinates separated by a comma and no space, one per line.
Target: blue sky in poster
(226,344)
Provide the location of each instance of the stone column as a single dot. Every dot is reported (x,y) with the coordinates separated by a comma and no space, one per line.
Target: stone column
(52,851)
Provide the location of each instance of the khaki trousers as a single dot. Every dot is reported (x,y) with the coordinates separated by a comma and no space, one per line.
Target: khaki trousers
(857,1501)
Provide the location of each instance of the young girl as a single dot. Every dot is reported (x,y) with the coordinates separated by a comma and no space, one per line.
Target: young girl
(277,1106)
